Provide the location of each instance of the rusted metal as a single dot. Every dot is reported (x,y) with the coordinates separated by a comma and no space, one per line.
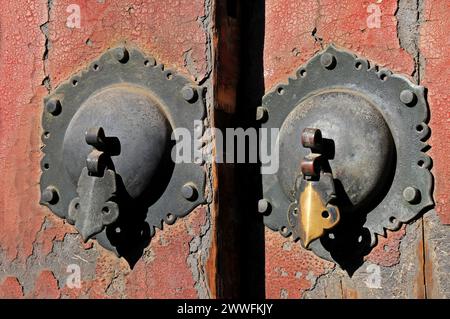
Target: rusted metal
(310,166)
(312,138)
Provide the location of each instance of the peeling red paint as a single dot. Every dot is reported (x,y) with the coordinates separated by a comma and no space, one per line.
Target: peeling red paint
(170,245)
(162,272)
(387,251)
(434,48)
(107,268)
(11,288)
(170,30)
(289,39)
(46,286)
(290,269)
(22,73)
(52,229)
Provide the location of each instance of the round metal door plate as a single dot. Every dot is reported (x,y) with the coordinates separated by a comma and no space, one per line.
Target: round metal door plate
(182,103)
(337,91)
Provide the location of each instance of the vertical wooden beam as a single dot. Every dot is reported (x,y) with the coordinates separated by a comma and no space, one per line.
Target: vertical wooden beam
(223,267)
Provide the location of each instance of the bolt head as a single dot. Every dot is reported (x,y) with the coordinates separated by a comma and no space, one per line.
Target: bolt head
(53,106)
(189,93)
(328,60)
(264,206)
(170,219)
(411,195)
(189,191)
(408,97)
(261,114)
(50,195)
(121,54)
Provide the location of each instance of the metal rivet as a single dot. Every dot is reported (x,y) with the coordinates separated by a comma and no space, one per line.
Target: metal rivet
(189,93)
(408,97)
(121,54)
(328,60)
(261,114)
(50,195)
(264,206)
(170,219)
(411,194)
(189,191)
(53,106)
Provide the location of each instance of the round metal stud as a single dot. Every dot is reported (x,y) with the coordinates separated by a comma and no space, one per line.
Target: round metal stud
(408,97)
(189,94)
(328,60)
(50,195)
(121,54)
(53,106)
(170,219)
(264,206)
(189,191)
(261,114)
(411,194)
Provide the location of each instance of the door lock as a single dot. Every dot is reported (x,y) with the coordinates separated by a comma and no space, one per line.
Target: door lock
(362,168)
(315,192)
(107,165)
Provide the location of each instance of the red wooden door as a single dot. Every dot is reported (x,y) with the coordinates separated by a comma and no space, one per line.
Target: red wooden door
(238,51)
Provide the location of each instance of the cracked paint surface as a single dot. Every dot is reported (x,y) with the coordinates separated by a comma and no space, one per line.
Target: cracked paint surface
(294,32)
(290,269)
(435,49)
(166,29)
(38,52)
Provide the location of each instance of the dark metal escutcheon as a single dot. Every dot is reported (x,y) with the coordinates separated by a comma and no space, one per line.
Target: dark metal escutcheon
(373,132)
(107,163)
